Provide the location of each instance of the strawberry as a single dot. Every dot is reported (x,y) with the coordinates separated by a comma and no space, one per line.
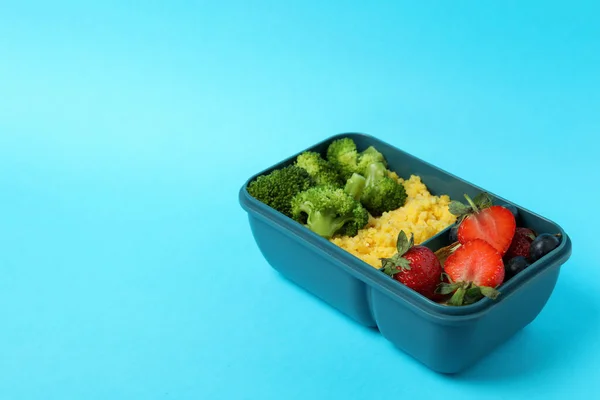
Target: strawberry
(483,220)
(414,266)
(474,270)
(520,243)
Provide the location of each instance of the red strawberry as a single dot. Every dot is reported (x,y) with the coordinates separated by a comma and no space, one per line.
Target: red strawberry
(482,220)
(474,269)
(520,243)
(415,266)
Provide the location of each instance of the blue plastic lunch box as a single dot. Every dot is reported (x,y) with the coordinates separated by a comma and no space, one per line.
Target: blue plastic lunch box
(446,339)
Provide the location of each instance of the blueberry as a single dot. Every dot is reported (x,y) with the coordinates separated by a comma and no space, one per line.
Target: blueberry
(512,209)
(542,245)
(454,234)
(514,266)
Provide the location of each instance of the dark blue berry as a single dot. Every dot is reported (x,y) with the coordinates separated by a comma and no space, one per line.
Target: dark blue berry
(514,266)
(542,245)
(454,234)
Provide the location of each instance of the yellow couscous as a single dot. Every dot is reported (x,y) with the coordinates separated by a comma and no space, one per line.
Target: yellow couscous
(424,215)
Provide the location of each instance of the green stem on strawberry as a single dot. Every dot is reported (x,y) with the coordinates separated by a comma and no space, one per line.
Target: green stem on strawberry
(465,293)
(447,288)
(475,205)
(396,263)
(489,292)
(471,203)
(472,295)
(457,298)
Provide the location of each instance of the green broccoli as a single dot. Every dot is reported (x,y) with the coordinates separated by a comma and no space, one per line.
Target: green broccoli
(277,188)
(368,157)
(327,211)
(355,185)
(367,176)
(381,193)
(321,170)
(347,160)
(343,155)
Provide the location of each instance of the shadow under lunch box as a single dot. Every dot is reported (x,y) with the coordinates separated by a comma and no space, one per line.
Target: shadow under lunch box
(446,339)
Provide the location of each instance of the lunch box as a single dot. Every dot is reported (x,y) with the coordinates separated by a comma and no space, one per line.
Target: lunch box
(446,339)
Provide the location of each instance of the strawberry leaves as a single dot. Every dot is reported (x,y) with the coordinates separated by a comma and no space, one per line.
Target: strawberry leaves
(481,201)
(396,263)
(447,288)
(489,292)
(457,298)
(472,295)
(403,244)
(457,208)
(475,293)
(465,293)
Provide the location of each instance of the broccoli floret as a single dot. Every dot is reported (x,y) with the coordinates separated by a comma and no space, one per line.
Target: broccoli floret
(368,157)
(321,170)
(326,211)
(277,188)
(347,160)
(343,155)
(381,192)
(351,229)
(355,185)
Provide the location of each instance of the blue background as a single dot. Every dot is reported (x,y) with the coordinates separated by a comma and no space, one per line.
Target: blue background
(127,267)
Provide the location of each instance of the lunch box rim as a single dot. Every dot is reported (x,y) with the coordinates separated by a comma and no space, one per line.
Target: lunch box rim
(373,276)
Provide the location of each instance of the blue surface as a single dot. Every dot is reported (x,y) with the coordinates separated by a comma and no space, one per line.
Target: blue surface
(127,267)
